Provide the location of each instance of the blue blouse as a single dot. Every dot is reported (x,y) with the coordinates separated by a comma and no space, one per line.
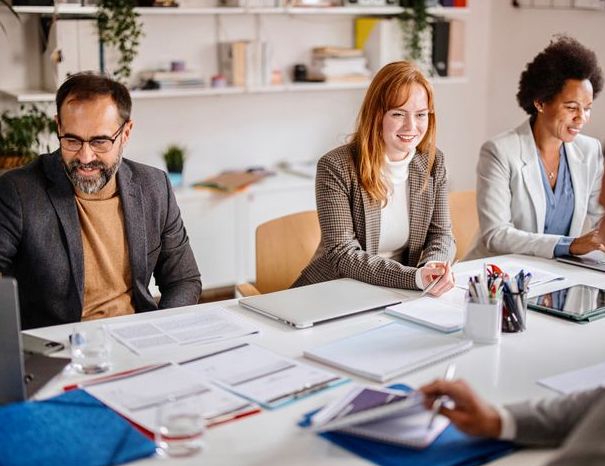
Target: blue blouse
(559,204)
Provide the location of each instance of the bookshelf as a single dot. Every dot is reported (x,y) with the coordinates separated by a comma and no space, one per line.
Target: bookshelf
(38,95)
(67,9)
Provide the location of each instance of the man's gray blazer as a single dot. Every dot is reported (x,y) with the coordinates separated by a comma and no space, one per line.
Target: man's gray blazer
(41,243)
(576,421)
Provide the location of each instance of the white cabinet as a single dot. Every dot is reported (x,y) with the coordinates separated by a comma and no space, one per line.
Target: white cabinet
(221,228)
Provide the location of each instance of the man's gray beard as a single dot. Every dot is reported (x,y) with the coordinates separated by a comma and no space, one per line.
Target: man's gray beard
(94,185)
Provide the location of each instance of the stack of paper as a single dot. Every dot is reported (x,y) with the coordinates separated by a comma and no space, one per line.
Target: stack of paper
(388,351)
(445,313)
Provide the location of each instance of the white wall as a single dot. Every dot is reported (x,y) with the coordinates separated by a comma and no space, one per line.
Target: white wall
(515,38)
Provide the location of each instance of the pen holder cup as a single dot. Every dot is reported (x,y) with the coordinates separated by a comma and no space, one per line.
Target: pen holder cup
(514,312)
(482,321)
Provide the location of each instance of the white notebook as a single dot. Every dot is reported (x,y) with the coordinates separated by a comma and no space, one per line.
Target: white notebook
(445,314)
(410,429)
(390,350)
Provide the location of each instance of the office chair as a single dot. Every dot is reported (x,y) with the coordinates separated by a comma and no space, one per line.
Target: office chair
(284,246)
(465,221)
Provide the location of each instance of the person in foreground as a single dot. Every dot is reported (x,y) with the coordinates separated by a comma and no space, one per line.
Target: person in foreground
(382,199)
(537,185)
(576,421)
(82,230)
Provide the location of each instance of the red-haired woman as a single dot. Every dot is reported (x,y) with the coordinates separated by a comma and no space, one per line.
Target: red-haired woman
(382,198)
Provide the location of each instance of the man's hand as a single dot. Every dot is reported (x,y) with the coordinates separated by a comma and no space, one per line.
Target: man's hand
(470,414)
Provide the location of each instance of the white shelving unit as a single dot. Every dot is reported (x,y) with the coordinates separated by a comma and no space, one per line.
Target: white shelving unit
(67,9)
(36,95)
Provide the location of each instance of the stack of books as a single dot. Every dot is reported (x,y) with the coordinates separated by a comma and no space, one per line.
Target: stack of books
(339,64)
(245,63)
(174,79)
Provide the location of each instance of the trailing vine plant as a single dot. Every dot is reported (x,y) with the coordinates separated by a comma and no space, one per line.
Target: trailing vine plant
(414,23)
(120,27)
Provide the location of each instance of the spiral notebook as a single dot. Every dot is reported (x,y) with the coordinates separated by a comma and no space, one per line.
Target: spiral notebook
(389,351)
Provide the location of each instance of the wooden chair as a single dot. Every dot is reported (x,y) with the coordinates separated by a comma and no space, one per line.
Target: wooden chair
(465,221)
(284,246)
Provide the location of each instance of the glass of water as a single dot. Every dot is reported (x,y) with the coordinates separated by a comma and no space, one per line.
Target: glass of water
(90,349)
(180,427)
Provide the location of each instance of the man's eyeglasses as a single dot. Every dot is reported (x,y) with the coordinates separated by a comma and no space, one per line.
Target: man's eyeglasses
(98,145)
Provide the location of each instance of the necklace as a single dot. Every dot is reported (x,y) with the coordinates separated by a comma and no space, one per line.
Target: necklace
(550,173)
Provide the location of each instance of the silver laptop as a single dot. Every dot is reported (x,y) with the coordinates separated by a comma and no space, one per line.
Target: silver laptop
(22,373)
(588,262)
(12,386)
(305,306)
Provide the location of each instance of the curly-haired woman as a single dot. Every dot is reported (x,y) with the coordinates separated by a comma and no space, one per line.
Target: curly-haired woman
(538,185)
(382,199)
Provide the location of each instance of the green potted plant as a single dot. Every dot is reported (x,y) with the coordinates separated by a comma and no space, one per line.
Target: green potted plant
(174,156)
(21,136)
(415,28)
(120,27)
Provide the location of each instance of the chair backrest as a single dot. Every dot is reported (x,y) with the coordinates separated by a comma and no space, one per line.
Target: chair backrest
(465,221)
(284,247)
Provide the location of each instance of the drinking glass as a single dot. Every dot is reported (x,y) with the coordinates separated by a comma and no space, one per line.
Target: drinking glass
(180,427)
(90,349)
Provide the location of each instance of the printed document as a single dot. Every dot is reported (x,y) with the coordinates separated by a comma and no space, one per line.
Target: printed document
(512,268)
(261,375)
(138,396)
(208,325)
(576,380)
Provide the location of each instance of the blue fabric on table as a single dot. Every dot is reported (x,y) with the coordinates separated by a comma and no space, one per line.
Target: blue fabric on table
(451,448)
(71,429)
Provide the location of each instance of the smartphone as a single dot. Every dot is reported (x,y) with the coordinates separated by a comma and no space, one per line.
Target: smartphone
(38,345)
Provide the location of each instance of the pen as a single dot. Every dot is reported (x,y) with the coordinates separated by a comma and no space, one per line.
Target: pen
(438,403)
(431,285)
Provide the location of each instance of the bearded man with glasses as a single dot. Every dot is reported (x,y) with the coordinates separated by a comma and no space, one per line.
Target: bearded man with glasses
(82,229)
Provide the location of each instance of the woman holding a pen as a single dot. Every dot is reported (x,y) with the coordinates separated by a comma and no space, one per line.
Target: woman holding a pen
(382,198)
(537,185)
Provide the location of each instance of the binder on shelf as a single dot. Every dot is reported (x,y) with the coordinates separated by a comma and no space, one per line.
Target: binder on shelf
(441,39)
(456,57)
(73,46)
(389,351)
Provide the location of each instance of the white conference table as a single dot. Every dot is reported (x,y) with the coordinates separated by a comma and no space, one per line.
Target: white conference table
(501,373)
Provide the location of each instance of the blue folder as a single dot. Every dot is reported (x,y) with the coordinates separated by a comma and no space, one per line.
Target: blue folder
(451,448)
(71,429)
